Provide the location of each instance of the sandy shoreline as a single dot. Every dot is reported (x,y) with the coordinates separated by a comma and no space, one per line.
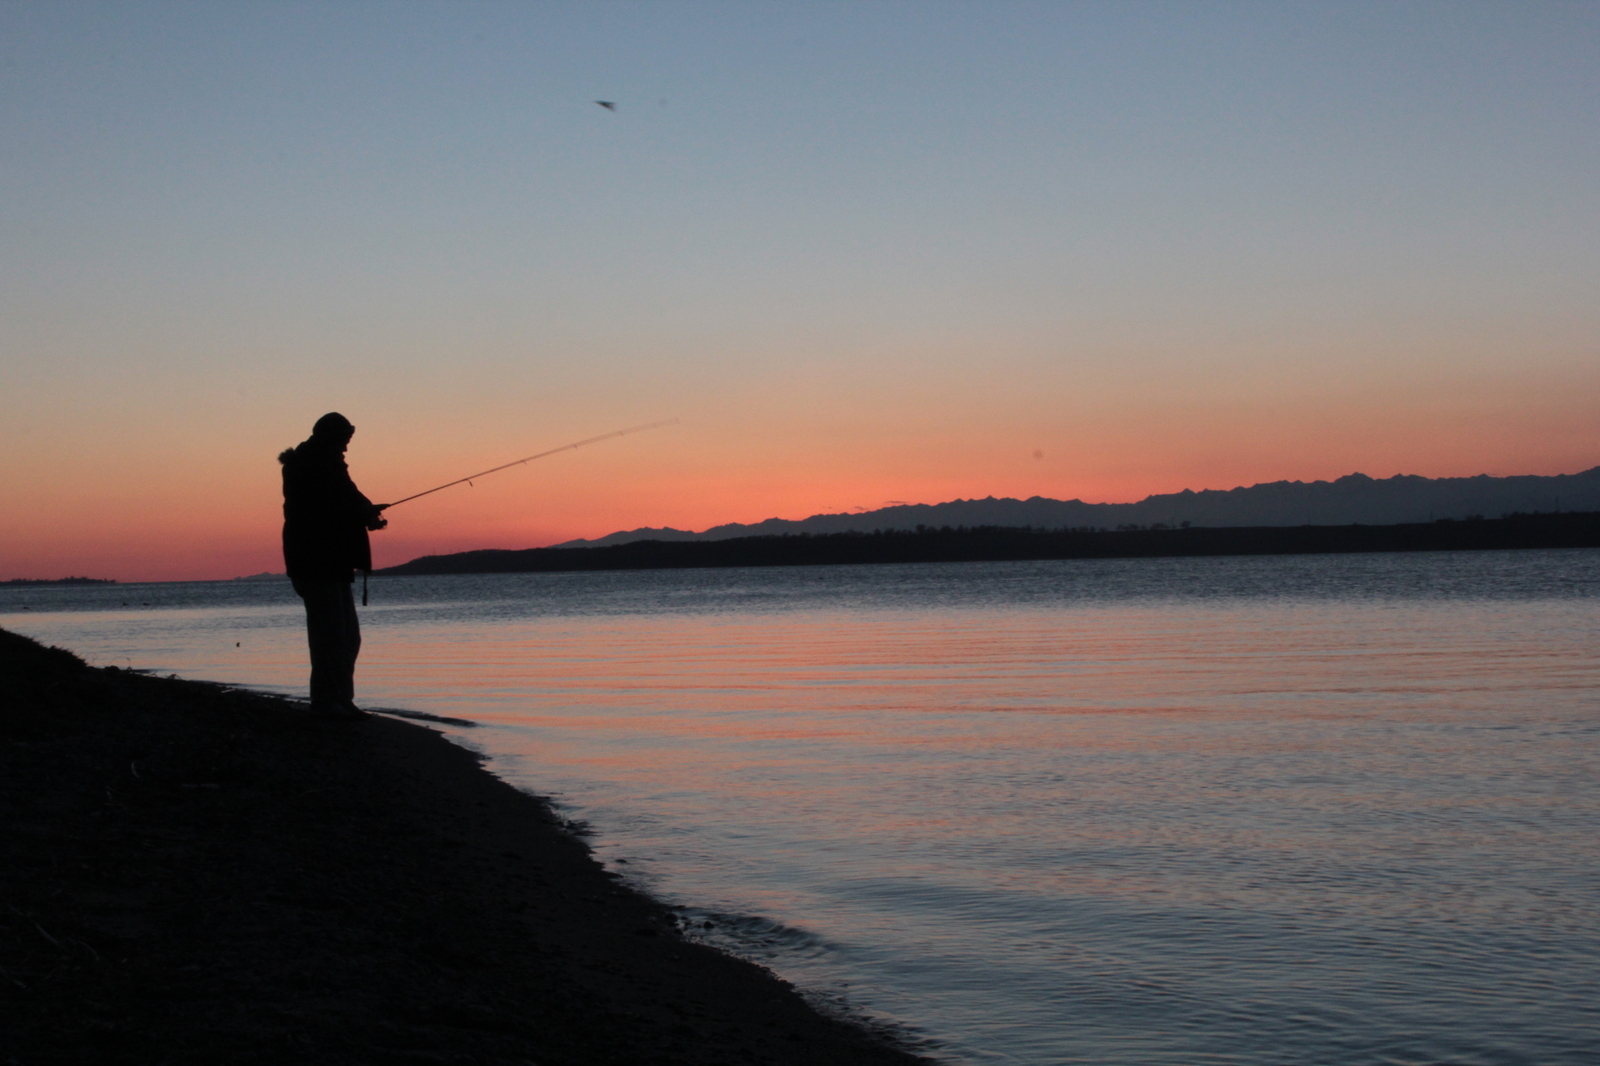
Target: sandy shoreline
(190,874)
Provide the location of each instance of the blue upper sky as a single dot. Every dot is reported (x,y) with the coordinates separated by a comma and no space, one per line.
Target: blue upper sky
(970,231)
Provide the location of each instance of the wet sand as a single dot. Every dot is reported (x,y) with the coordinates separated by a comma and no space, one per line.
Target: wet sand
(191,874)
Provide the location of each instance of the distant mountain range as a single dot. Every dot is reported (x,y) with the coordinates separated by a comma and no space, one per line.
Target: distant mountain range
(1354,498)
(21,581)
(948,544)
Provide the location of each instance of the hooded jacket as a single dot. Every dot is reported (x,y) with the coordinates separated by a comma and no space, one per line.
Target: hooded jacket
(325,517)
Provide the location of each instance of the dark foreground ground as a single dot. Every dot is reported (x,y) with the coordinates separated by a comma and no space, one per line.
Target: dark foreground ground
(195,875)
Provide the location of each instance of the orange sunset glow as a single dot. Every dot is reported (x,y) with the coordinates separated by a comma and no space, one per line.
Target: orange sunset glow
(1186,259)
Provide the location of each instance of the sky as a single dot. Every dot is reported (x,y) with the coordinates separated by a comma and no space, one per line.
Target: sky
(864,252)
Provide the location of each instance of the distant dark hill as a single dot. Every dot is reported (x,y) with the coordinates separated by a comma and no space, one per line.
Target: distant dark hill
(29,581)
(1403,498)
(991,544)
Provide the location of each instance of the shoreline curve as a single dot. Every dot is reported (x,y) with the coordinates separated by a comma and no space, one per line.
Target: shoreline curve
(195,874)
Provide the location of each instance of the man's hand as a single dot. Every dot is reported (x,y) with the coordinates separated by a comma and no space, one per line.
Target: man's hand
(375,520)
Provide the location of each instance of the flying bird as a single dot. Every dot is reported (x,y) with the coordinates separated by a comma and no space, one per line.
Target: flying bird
(607,104)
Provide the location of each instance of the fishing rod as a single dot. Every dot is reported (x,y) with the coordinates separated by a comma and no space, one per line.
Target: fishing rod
(518,462)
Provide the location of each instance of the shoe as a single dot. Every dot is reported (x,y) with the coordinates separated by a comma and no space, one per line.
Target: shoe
(338,711)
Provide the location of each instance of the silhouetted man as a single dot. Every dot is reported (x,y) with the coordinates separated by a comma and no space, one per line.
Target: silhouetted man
(325,523)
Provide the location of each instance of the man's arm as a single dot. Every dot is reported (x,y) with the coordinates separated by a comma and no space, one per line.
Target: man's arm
(369,513)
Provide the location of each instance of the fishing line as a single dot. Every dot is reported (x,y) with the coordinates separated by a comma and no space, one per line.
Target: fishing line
(518,462)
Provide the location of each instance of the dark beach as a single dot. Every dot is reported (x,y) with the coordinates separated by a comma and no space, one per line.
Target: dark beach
(193,874)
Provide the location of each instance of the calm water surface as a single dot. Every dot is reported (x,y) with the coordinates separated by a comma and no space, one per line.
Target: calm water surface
(1307,810)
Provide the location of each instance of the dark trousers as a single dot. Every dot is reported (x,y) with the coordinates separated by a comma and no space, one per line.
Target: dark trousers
(334,633)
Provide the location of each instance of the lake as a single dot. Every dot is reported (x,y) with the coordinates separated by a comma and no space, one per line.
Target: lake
(1285,811)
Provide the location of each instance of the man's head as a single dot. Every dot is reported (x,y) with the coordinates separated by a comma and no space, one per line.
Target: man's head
(333,428)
